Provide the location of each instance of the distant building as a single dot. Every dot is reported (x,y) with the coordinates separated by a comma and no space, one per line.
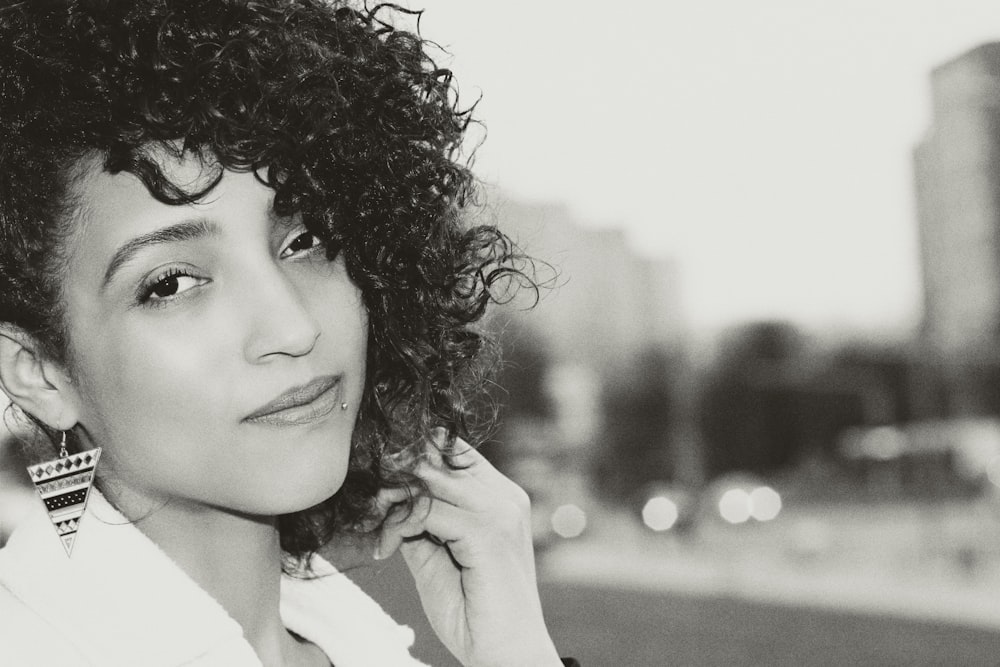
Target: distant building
(607,303)
(605,316)
(957,169)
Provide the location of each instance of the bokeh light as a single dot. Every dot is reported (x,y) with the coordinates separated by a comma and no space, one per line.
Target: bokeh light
(569,521)
(735,506)
(660,513)
(993,471)
(765,503)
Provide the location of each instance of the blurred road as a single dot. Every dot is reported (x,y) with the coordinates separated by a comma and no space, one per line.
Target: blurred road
(839,586)
(611,627)
(935,563)
(625,627)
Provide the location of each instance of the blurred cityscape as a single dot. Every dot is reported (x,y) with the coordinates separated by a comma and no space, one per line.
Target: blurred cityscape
(770,464)
(766,494)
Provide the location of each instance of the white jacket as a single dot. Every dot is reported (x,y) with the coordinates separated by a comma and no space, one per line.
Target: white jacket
(120,601)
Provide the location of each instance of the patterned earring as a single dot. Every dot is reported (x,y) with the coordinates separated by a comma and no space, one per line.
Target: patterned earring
(64,485)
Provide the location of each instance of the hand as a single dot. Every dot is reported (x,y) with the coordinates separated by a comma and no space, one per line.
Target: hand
(468,545)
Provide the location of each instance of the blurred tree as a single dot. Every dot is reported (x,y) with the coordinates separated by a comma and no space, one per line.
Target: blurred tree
(519,396)
(766,404)
(638,412)
(890,376)
(523,378)
(748,413)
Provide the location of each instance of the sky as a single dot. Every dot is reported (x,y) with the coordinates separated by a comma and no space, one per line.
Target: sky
(763,146)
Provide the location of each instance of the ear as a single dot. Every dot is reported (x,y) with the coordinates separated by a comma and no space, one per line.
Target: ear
(34,383)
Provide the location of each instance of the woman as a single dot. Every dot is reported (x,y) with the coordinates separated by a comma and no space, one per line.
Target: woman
(234,279)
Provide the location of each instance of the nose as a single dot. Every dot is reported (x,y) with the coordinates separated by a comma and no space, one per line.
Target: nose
(280,322)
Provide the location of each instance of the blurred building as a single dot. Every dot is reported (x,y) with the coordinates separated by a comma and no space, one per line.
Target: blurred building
(957,169)
(602,336)
(604,303)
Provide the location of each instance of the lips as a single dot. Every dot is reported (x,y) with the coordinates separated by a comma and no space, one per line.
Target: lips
(304,404)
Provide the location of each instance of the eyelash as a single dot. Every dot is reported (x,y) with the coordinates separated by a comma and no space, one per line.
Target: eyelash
(145,295)
(329,250)
(146,291)
(308,251)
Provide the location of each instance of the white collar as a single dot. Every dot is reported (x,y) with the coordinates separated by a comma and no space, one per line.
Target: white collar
(121,601)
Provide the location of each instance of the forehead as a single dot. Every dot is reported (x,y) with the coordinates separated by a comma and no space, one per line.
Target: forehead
(110,209)
(94,192)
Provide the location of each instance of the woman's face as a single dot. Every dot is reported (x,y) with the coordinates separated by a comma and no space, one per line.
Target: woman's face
(211,346)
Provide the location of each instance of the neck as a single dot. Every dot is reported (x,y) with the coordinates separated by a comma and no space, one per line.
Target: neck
(235,558)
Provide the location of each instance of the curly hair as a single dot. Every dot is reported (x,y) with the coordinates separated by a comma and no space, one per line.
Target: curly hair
(344,116)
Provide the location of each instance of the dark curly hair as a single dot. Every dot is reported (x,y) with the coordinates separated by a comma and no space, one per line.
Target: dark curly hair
(347,118)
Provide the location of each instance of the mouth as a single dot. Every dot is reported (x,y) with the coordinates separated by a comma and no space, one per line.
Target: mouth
(300,405)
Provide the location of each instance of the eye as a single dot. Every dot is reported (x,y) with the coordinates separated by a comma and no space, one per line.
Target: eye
(302,242)
(167,285)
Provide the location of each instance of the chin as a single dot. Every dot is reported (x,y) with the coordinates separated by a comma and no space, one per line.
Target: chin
(316,472)
(301,494)
(276,505)
(305,501)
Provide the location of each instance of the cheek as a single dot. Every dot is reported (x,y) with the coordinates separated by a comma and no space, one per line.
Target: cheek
(343,319)
(154,368)
(154,394)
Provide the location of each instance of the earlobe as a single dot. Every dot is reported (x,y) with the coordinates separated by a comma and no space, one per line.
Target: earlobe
(33,383)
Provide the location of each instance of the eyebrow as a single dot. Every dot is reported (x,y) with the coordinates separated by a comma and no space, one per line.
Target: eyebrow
(183,231)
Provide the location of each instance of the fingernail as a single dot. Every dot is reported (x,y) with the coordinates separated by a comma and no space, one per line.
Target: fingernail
(377,554)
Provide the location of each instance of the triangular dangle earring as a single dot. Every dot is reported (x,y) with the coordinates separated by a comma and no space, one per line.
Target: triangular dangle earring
(64,485)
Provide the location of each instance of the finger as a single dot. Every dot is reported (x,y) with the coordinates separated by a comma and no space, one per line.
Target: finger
(477,539)
(434,447)
(464,455)
(432,566)
(457,487)
(432,520)
(386,498)
(417,553)
(459,453)
(460,456)
(407,524)
(390,505)
(466,535)
(477,485)
(469,459)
